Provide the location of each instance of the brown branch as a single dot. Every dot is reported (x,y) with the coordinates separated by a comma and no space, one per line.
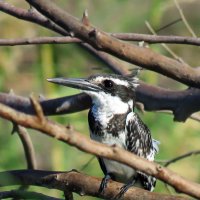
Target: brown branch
(115,153)
(152,39)
(36,18)
(31,16)
(77,182)
(125,51)
(22,14)
(38,40)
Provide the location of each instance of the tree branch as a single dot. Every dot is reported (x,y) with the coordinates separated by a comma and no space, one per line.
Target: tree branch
(77,182)
(30,15)
(125,51)
(114,153)
(38,40)
(181,103)
(151,39)
(173,160)
(130,53)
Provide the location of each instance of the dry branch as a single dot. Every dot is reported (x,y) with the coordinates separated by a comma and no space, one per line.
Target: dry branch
(38,40)
(188,154)
(125,51)
(141,56)
(115,153)
(151,39)
(31,16)
(77,182)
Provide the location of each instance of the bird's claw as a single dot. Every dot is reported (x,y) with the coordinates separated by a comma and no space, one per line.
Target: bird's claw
(104,183)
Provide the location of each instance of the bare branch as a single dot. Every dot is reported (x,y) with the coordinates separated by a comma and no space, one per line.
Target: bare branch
(173,160)
(114,153)
(79,183)
(38,40)
(184,19)
(41,20)
(167,48)
(128,52)
(30,15)
(152,39)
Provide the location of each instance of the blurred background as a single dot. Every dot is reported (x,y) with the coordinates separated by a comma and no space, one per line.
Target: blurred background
(26,68)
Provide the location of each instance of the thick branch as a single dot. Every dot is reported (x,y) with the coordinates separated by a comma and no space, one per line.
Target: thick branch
(31,16)
(150,59)
(115,153)
(76,182)
(128,52)
(181,103)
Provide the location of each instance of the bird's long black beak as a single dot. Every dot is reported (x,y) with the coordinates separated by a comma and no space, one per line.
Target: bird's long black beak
(78,83)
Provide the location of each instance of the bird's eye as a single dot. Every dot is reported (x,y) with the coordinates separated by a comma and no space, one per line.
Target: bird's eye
(108,84)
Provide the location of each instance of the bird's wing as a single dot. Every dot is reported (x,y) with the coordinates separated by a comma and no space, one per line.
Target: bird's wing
(138,138)
(140,142)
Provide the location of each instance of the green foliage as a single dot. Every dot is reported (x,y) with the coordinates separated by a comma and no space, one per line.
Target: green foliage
(26,68)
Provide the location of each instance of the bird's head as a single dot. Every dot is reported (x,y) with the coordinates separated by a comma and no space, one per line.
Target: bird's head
(105,90)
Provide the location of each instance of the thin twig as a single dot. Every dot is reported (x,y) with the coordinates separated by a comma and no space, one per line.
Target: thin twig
(184,19)
(188,154)
(167,48)
(38,40)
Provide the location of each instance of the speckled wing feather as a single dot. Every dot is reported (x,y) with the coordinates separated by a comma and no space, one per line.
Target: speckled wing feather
(140,142)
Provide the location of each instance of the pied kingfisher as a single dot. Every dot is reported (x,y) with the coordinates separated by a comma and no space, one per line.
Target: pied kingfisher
(113,122)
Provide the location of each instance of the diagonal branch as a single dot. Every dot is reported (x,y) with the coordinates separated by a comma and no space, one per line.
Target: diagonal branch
(77,182)
(114,153)
(136,55)
(125,51)
(31,16)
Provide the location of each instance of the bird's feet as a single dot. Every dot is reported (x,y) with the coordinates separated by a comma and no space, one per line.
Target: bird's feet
(104,183)
(123,190)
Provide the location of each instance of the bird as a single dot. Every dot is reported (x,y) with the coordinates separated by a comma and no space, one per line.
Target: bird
(113,121)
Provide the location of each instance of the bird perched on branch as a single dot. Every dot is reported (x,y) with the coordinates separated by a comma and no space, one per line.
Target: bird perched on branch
(113,122)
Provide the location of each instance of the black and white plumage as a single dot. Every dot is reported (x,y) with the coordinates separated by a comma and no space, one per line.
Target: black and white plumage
(112,121)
